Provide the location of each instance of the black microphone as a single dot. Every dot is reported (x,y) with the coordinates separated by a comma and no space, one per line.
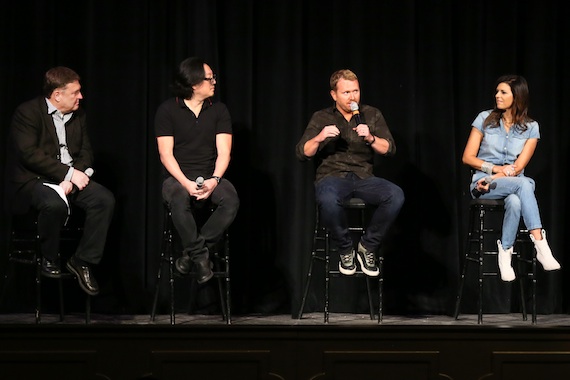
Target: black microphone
(199,182)
(355,112)
(488,180)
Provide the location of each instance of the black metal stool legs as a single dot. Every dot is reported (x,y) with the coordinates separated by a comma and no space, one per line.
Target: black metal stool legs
(480,251)
(476,234)
(38,280)
(25,248)
(221,272)
(321,251)
(314,257)
(523,263)
(380,287)
(327,275)
(223,275)
(165,258)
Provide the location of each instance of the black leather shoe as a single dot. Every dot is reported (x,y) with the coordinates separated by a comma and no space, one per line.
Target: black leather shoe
(84,276)
(203,271)
(50,268)
(183,264)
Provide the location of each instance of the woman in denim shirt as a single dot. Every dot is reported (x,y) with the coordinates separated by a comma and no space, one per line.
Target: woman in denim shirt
(501,144)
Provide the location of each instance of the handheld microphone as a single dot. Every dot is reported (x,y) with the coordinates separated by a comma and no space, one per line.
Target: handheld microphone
(355,112)
(488,180)
(199,182)
(88,172)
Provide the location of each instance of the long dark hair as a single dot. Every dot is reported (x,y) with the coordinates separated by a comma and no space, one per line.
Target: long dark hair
(190,73)
(519,109)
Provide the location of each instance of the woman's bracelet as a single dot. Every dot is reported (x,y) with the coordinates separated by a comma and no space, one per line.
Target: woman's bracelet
(487,167)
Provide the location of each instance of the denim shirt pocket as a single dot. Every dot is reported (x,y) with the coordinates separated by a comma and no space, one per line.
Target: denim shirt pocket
(493,143)
(517,144)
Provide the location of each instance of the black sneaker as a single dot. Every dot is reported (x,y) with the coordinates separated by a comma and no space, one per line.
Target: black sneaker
(346,264)
(367,261)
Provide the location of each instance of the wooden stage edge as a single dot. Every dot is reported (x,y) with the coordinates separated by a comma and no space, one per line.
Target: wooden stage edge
(281,347)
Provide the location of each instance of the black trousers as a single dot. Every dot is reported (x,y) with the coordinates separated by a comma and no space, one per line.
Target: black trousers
(196,242)
(97,202)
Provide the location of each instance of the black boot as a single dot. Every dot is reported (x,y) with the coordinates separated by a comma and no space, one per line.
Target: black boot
(203,270)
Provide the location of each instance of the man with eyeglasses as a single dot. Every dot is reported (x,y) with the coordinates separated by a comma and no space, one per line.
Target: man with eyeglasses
(345,138)
(194,137)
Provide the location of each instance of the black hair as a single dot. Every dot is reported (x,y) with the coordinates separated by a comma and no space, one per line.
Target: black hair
(190,73)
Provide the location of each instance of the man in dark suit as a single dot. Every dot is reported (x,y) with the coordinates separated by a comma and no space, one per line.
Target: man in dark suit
(49,169)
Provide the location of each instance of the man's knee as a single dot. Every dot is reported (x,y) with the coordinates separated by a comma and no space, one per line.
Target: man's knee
(398,196)
(55,206)
(108,199)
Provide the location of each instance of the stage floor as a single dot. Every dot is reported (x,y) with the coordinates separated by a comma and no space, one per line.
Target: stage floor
(309,319)
(349,347)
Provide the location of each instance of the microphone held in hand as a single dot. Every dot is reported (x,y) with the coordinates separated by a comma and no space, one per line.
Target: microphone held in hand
(88,172)
(488,180)
(199,182)
(355,112)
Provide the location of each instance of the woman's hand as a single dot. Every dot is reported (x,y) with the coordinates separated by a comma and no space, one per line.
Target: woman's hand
(508,170)
(483,185)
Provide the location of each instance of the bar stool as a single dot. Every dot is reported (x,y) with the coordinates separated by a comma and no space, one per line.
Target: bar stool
(321,251)
(220,258)
(25,248)
(524,258)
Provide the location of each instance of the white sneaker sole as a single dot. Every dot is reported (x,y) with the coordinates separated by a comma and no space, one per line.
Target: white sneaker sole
(367,272)
(348,272)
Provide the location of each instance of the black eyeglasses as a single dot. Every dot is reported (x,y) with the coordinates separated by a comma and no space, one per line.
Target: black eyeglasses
(212,79)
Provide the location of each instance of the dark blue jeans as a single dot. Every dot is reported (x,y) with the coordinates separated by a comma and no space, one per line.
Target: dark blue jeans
(194,240)
(331,192)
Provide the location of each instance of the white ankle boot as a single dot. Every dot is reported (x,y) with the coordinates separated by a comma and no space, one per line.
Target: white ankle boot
(544,254)
(507,271)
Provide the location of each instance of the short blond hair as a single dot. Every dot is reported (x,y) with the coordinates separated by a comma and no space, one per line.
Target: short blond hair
(344,74)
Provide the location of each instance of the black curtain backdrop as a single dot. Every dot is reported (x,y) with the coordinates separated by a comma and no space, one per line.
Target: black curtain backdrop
(430,66)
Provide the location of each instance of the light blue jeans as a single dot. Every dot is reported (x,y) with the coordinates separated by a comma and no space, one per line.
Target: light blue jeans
(518,193)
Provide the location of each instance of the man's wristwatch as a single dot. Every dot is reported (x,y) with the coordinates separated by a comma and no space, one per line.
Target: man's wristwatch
(217,178)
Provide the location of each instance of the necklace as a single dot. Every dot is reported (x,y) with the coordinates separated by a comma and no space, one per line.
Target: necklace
(506,122)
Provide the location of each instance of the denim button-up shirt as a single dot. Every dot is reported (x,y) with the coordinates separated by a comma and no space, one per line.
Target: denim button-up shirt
(500,147)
